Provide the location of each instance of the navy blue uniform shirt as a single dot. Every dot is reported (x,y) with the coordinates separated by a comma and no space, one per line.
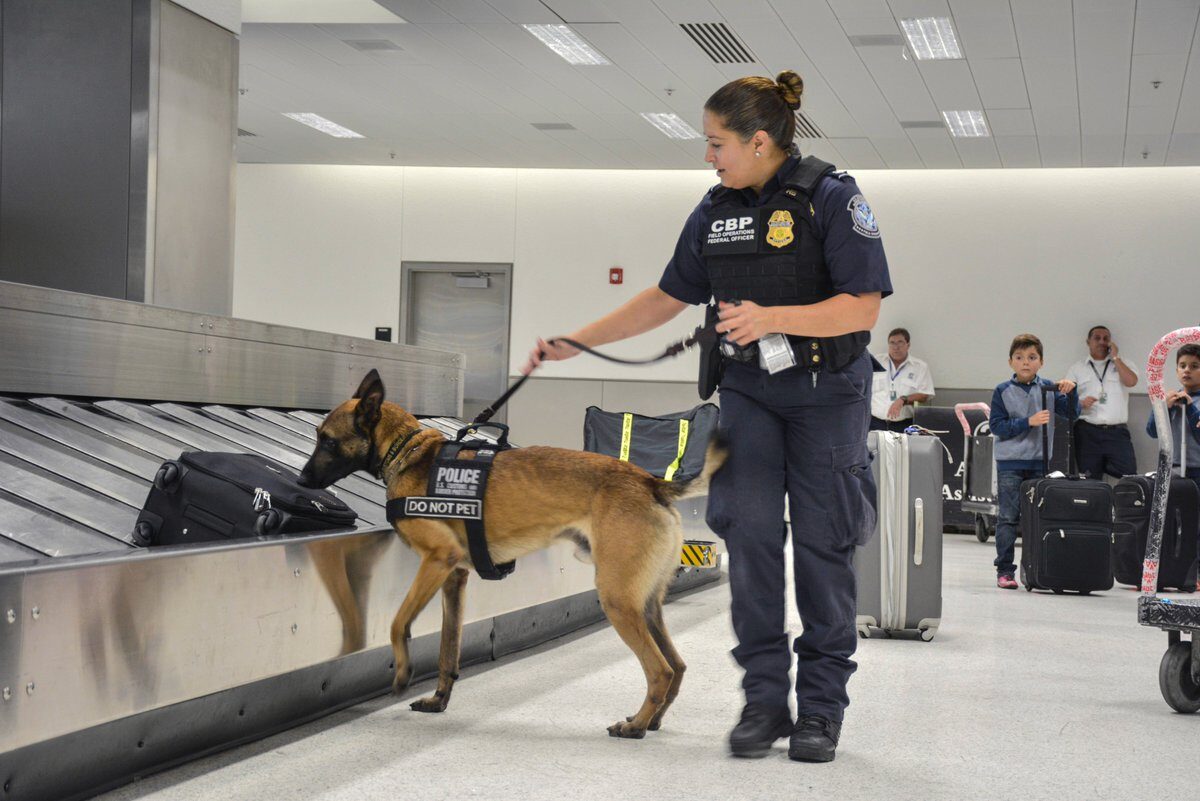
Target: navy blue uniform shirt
(843,221)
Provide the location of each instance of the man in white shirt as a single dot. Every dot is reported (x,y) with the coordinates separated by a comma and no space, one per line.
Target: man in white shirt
(1102,443)
(904,381)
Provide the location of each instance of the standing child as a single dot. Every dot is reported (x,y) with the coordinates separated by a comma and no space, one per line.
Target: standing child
(1185,403)
(1017,416)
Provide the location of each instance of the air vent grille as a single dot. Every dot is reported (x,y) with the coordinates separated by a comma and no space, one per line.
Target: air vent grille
(244,132)
(878,40)
(922,124)
(720,43)
(553,126)
(806,128)
(367,45)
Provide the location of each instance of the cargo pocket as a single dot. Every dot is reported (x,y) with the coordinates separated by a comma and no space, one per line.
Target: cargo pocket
(853,512)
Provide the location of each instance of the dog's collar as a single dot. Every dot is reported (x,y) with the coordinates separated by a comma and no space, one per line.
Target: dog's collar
(397,446)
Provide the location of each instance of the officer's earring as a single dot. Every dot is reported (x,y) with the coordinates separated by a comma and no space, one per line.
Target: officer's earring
(757,154)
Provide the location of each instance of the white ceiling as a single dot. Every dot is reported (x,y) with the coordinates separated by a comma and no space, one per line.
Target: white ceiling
(1062,84)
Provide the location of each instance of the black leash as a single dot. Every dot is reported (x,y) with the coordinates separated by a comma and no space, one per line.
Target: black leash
(703,335)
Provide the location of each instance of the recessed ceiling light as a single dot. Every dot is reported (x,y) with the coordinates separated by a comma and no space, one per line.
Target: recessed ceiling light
(568,44)
(672,125)
(323,125)
(966,123)
(931,38)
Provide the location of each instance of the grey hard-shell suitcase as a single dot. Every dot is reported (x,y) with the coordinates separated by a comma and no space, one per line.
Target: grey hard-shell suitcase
(900,570)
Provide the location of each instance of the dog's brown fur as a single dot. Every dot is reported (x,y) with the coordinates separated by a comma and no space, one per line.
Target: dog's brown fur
(618,515)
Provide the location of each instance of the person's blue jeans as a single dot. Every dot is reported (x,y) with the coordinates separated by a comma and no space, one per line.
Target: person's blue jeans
(1007,527)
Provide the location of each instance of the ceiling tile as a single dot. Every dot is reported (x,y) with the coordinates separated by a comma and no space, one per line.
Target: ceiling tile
(859,154)
(1011,122)
(1001,82)
(987,34)
(1164,26)
(1018,151)
(951,84)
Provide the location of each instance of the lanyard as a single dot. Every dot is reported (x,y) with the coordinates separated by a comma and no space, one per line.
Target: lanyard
(893,376)
(1097,373)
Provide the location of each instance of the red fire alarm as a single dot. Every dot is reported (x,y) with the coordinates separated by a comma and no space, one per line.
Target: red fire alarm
(616,275)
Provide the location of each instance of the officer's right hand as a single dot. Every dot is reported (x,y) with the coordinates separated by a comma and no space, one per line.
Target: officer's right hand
(1040,419)
(546,352)
(1088,402)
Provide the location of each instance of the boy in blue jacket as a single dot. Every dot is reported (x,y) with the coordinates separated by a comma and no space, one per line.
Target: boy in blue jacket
(1183,404)
(1016,419)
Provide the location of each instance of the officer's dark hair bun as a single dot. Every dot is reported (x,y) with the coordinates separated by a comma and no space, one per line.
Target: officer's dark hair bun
(758,103)
(790,86)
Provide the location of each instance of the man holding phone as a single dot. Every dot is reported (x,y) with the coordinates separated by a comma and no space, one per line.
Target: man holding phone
(1102,442)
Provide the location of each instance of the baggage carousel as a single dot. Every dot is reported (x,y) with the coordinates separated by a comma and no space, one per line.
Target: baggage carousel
(118,660)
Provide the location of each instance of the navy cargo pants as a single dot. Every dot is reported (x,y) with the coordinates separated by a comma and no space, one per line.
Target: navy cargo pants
(789,435)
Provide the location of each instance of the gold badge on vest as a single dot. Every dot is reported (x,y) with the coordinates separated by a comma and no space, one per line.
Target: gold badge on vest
(779,229)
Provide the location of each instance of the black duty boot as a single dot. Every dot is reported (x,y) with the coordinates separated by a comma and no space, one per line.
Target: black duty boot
(815,739)
(758,729)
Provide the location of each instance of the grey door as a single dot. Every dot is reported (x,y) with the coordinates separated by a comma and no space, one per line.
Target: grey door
(463,308)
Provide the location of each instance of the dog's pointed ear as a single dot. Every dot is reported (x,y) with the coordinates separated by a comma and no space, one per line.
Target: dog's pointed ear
(371,382)
(370,401)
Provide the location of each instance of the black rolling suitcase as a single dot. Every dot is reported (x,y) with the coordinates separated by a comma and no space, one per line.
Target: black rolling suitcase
(1066,530)
(1181,532)
(222,496)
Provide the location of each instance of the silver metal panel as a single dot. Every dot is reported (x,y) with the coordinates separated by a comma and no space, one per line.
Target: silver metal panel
(143,149)
(284,420)
(114,637)
(194,189)
(93,511)
(301,444)
(15,552)
(43,533)
(162,446)
(58,460)
(73,435)
(65,343)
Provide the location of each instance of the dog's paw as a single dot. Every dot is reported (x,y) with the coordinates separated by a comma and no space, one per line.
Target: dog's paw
(400,682)
(626,730)
(653,726)
(433,703)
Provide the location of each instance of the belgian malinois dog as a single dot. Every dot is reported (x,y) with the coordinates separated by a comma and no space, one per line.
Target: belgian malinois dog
(619,517)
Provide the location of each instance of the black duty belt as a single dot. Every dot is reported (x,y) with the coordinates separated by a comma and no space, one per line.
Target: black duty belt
(456,491)
(1104,425)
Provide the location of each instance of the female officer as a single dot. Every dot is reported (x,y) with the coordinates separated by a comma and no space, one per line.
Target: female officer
(785,246)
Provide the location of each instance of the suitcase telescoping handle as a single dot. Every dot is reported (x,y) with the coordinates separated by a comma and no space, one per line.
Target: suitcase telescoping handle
(1046,429)
(960,412)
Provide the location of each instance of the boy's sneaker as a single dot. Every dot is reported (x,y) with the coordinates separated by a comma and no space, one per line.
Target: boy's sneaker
(1005,581)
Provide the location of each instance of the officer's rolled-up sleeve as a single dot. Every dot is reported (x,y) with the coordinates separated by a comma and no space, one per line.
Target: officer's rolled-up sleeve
(685,277)
(853,248)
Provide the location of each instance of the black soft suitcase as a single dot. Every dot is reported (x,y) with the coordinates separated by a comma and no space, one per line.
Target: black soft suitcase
(204,496)
(1066,531)
(1181,532)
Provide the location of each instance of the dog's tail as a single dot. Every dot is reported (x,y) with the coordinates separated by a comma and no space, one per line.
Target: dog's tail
(714,458)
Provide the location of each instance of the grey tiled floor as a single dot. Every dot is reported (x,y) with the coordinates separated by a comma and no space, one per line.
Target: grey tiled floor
(1020,695)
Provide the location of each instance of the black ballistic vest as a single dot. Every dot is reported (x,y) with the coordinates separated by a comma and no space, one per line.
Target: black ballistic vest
(771,255)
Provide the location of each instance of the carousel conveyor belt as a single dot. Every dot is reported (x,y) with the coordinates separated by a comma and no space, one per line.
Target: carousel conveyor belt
(74,474)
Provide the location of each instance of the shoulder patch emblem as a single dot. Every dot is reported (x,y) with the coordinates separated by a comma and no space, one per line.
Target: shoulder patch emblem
(779,229)
(862,217)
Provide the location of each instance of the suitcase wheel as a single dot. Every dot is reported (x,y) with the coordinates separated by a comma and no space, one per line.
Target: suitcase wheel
(143,533)
(1057,591)
(1175,678)
(167,475)
(266,523)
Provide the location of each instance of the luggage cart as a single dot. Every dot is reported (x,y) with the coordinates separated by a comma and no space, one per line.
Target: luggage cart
(979,494)
(1179,671)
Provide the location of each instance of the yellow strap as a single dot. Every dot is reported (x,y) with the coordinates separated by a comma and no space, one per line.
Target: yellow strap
(683,435)
(626,436)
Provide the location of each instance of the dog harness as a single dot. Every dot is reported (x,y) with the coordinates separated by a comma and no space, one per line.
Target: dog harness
(456,491)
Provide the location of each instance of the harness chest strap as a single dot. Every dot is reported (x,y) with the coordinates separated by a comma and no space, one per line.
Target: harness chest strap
(466,507)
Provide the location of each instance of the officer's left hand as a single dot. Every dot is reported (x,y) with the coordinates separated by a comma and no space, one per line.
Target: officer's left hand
(1065,386)
(744,323)
(894,409)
